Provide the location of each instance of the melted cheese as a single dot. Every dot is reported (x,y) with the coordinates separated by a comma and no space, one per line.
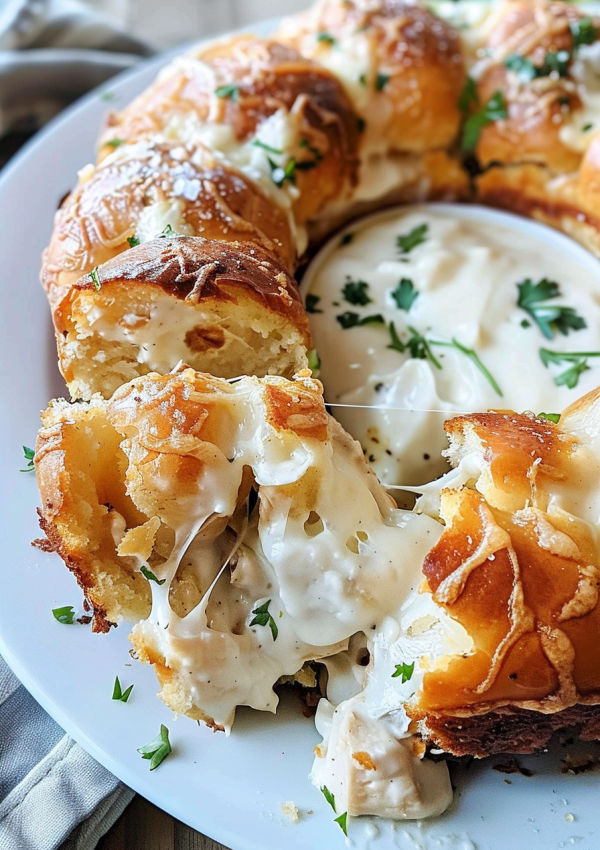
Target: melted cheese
(274,137)
(327,570)
(368,758)
(466,274)
(581,124)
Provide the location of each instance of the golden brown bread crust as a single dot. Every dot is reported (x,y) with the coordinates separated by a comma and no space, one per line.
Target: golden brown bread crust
(267,77)
(521,576)
(569,203)
(94,223)
(225,308)
(419,55)
(537,108)
(194,270)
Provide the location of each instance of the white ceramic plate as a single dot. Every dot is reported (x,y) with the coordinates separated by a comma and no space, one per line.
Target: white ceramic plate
(230,789)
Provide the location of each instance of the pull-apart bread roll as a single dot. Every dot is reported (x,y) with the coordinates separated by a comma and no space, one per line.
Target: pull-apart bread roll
(517,572)
(146,189)
(283,120)
(404,70)
(224,308)
(535,107)
(238,519)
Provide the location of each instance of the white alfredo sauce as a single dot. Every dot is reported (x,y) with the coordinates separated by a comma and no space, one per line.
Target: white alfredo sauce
(464,273)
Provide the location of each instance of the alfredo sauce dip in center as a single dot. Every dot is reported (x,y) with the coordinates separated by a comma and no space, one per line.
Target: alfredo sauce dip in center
(424,311)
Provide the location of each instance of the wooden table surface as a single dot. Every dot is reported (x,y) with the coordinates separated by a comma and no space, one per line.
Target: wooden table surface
(144,827)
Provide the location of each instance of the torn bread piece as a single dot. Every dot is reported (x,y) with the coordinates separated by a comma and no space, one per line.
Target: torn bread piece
(236,522)
(517,568)
(225,308)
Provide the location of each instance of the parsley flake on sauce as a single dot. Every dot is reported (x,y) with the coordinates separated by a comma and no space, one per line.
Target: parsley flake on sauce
(493,110)
(64,615)
(555,62)
(133,241)
(258,144)
(550,417)
(407,241)
(353,320)
(355,292)
(311,303)
(549,318)
(262,617)
(114,143)
(118,694)
(472,355)
(405,294)
(404,672)
(578,360)
(29,455)
(150,575)
(158,749)
(381,81)
(314,363)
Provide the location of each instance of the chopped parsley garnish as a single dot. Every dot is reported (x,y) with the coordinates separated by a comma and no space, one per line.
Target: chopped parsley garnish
(407,241)
(158,749)
(355,292)
(28,454)
(258,144)
(311,303)
(118,694)
(133,241)
(405,294)
(167,232)
(381,81)
(342,822)
(554,62)
(306,164)
(551,417)
(353,320)
(396,344)
(65,615)
(547,317)
(472,354)
(95,279)
(417,346)
(570,377)
(326,38)
(232,91)
(468,96)
(150,575)
(494,110)
(346,239)
(521,66)
(314,362)
(263,618)
(281,173)
(586,128)
(405,671)
(329,797)
(363,79)
(361,124)
(114,143)
(583,32)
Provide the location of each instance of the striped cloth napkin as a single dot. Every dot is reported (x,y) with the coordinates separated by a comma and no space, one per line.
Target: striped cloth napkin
(52,793)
